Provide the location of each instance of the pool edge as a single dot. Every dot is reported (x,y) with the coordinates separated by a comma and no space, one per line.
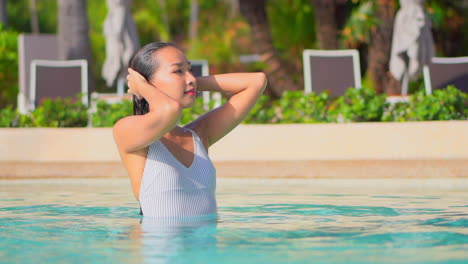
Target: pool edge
(339,169)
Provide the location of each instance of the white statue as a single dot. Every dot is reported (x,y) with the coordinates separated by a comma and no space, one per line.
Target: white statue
(121,42)
(412,45)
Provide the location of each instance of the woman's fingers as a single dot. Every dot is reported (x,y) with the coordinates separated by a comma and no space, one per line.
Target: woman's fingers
(134,82)
(134,74)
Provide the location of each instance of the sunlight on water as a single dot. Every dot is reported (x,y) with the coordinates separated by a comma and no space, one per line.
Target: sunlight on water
(259,221)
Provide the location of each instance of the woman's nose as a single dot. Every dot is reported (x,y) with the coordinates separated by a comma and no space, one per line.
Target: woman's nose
(191,78)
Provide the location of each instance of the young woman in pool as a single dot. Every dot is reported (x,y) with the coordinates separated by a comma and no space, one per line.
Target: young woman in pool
(169,168)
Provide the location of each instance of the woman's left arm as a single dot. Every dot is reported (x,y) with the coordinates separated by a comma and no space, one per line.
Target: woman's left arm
(244,89)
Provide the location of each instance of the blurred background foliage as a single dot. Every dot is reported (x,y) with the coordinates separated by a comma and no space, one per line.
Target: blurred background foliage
(356,105)
(8,66)
(223,34)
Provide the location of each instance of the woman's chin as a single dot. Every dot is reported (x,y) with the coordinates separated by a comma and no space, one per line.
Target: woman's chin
(188,103)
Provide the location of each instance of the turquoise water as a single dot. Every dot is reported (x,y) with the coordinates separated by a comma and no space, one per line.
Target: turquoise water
(259,221)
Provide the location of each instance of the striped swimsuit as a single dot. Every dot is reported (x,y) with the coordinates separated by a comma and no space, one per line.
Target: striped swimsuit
(169,189)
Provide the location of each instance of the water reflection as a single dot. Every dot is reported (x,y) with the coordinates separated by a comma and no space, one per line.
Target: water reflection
(177,240)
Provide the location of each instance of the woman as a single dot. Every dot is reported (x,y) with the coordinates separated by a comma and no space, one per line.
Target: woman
(169,168)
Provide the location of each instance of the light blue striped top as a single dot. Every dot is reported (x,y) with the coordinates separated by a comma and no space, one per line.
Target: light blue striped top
(169,189)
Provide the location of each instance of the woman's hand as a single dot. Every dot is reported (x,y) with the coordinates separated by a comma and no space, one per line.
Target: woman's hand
(135,82)
(164,113)
(245,90)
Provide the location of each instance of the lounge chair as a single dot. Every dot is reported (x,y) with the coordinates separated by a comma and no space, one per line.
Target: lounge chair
(446,71)
(32,47)
(332,70)
(55,78)
(201,68)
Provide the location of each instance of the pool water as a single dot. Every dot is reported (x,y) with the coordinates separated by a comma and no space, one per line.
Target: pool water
(259,221)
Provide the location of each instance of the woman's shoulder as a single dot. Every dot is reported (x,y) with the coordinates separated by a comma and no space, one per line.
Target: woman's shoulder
(122,125)
(197,128)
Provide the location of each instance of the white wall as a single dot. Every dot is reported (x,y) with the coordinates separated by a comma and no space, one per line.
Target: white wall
(356,141)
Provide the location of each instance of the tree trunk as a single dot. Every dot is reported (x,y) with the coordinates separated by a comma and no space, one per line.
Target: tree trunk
(450,35)
(34,18)
(279,75)
(380,47)
(73,30)
(73,34)
(165,20)
(326,24)
(3,13)
(193,34)
(233,8)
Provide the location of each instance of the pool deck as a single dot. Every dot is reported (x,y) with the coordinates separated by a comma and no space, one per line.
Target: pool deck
(340,169)
(359,150)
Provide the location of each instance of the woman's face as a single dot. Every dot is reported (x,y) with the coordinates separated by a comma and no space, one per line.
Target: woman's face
(174,77)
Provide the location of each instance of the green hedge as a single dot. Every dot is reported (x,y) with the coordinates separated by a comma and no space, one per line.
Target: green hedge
(356,105)
(360,105)
(8,67)
(60,112)
(106,115)
(447,104)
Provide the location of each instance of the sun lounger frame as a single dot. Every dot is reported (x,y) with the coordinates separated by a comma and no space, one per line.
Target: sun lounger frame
(308,76)
(440,60)
(83,64)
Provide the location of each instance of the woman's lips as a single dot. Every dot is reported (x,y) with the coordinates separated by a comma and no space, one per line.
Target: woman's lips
(191,92)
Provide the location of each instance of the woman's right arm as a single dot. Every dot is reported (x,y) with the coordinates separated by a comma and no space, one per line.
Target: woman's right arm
(133,133)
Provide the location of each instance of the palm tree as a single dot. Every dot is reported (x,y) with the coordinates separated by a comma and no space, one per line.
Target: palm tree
(194,10)
(279,75)
(34,17)
(73,33)
(3,13)
(450,27)
(326,22)
(233,7)
(73,30)
(380,47)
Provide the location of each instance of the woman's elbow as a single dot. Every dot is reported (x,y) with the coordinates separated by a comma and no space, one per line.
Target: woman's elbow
(261,81)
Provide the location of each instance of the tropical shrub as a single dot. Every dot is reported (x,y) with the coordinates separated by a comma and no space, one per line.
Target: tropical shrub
(396,112)
(263,112)
(295,107)
(357,105)
(60,112)
(444,104)
(9,117)
(8,67)
(107,114)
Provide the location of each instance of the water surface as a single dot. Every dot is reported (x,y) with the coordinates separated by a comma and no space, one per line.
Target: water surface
(259,221)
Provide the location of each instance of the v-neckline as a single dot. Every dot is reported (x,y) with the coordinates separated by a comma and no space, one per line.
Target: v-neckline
(177,160)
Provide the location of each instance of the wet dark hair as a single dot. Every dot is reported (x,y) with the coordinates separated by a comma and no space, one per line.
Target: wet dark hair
(145,63)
